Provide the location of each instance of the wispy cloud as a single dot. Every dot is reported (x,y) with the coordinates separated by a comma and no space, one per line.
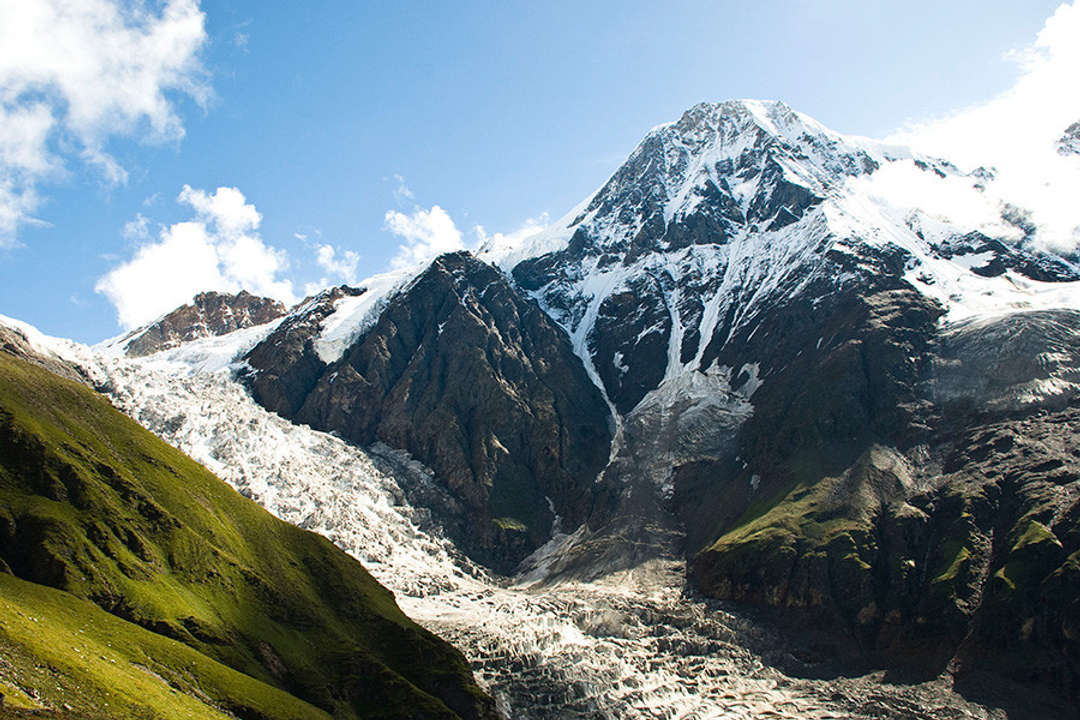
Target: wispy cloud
(402,193)
(137,230)
(427,234)
(220,249)
(1016,133)
(75,74)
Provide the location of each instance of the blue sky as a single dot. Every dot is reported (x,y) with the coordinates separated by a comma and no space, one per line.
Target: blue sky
(341,131)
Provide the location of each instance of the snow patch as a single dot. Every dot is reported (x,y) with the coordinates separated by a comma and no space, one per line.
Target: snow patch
(354,315)
(211,354)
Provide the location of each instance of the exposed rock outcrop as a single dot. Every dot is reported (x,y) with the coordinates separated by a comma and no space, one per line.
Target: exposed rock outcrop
(476,383)
(938,522)
(287,362)
(15,343)
(1069,142)
(208,314)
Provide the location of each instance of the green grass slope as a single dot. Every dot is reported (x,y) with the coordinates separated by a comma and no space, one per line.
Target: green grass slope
(93,505)
(57,651)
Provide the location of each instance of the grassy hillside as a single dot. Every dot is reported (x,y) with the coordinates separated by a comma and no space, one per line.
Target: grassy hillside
(93,505)
(58,650)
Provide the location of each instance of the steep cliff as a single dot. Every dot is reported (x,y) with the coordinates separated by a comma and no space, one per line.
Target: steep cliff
(475,382)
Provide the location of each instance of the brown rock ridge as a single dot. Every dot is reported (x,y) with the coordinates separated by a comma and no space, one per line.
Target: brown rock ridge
(209,314)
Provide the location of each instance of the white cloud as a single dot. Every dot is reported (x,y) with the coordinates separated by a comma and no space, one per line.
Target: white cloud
(1016,133)
(951,199)
(338,268)
(500,243)
(430,233)
(76,73)
(137,229)
(227,209)
(219,250)
(427,234)
(402,192)
(343,267)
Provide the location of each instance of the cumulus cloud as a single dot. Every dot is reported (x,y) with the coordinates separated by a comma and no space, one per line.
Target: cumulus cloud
(76,73)
(342,267)
(220,249)
(427,234)
(339,266)
(1016,133)
(227,209)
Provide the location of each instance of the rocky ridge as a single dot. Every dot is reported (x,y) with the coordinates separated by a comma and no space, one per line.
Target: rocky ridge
(209,314)
(1069,142)
(832,480)
(473,381)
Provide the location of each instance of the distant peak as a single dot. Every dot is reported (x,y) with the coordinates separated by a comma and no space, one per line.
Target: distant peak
(735,109)
(209,314)
(738,165)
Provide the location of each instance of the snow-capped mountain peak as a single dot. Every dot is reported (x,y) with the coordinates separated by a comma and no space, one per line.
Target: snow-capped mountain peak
(734,209)
(744,205)
(208,315)
(740,163)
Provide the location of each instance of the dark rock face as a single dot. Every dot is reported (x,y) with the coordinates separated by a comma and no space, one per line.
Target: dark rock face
(839,373)
(919,493)
(287,364)
(474,382)
(209,314)
(14,343)
(979,570)
(1000,257)
(666,217)
(629,340)
(1006,366)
